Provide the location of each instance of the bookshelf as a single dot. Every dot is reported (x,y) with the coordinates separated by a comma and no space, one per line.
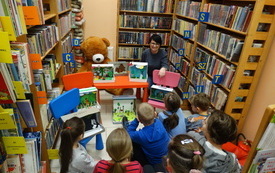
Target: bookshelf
(137,21)
(45,42)
(236,49)
(268,114)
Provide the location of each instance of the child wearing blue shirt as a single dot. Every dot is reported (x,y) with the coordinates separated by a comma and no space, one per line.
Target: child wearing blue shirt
(200,104)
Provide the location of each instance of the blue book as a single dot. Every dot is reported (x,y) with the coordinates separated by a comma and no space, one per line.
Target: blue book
(26,111)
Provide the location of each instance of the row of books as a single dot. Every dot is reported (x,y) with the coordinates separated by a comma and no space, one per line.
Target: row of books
(234,17)
(41,38)
(156,6)
(138,21)
(65,21)
(181,64)
(12,18)
(63,5)
(51,132)
(66,43)
(141,37)
(178,42)
(180,26)
(222,43)
(130,52)
(188,8)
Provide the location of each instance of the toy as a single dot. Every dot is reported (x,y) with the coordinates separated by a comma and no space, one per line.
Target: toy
(96,52)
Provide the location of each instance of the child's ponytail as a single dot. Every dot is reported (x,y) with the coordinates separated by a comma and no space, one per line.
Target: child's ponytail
(71,131)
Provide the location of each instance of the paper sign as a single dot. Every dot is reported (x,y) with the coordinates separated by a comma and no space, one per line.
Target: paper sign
(19,89)
(42,97)
(53,154)
(36,62)
(31,15)
(5,50)
(15,145)
(203,16)
(181,52)
(8,27)
(6,121)
(185,95)
(68,57)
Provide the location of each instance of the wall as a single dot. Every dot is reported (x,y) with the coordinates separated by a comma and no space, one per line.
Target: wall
(101,19)
(264,96)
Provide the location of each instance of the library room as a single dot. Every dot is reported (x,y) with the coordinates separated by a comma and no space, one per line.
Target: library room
(137,86)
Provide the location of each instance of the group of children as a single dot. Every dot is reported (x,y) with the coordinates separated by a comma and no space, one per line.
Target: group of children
(168,142)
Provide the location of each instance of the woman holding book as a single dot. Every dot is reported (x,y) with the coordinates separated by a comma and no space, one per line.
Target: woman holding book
(156,58)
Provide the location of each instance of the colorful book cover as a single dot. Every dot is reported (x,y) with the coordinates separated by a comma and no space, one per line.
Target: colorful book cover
(121,68)
(5,93)
(157,92)
(124,105)
(26,112)
(103,73)
(88,97)
(138,71)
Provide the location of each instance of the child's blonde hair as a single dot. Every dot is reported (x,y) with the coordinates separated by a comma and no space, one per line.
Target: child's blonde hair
(145,113)
(119,147)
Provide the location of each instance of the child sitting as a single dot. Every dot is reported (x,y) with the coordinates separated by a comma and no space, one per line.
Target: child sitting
(218,129)
(119,147)
(73,156)
(185,155)
(149,143)
(173,119)
(200,104)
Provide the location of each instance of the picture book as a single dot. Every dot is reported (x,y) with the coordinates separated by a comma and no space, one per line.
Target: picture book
(124,105)
(91,118)
(14,165)
(103,73)
(138,71)
(158,92)
(88,97)
(121,68)
(260,160)
(26,111)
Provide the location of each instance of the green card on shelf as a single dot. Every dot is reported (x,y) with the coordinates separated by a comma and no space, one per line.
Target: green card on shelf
(124,105)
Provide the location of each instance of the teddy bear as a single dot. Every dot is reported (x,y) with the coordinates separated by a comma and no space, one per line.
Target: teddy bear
(95,50)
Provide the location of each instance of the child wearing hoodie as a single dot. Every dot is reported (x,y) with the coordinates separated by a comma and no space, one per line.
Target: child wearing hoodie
(218,129)
(150,143)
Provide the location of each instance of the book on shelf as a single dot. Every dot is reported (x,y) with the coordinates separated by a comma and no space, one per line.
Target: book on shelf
(36,137)
(91,118)
(263,161)
(26,111)
(138,71)
(268,141)
(158,92)
(7,94)
(103,73)
(14,163)
(30,160)
(124,105)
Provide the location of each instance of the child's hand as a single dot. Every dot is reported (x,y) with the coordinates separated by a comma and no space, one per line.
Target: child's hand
(156,114)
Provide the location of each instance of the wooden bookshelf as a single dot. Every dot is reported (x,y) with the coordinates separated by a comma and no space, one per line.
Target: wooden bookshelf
(141,30)
(263,14)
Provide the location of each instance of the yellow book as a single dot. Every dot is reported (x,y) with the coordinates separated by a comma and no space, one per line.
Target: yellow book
(21,16)
(19,89)
(5,50)
(8,27)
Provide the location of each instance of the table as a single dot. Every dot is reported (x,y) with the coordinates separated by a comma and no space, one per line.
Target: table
(123,82)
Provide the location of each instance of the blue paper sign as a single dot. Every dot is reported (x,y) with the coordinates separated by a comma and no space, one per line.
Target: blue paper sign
(201,65)
(199,89)
(181,52)
(185,95)
(203,16)
(68,57)
(72,64)
(187,34)
(76,42)
(217,79)
(177,66)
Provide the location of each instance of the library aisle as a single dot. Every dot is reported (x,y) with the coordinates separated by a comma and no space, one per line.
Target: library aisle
(106,116)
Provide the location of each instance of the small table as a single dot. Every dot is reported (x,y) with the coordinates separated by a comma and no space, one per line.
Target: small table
(123,82)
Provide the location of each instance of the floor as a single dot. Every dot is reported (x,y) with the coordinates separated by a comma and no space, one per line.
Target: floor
(106,115)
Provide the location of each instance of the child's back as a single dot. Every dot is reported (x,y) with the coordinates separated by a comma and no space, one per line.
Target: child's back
(152,138)
(200,104)
(218,129)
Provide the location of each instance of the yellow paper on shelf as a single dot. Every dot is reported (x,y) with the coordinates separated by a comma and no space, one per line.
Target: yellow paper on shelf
(6,121)
(8,27)
(15,145)
(5,50)
(53,154)
(19,89)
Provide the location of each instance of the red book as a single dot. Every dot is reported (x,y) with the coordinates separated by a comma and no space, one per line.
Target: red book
(5,95)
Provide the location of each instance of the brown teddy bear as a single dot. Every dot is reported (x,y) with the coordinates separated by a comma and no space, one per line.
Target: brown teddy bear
(96,52)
